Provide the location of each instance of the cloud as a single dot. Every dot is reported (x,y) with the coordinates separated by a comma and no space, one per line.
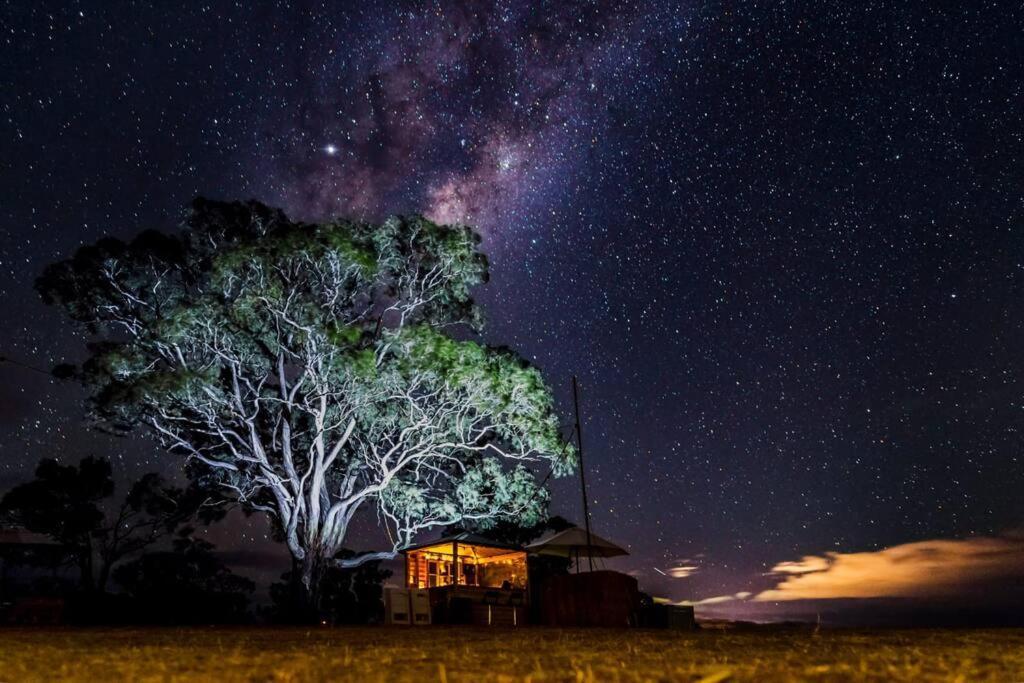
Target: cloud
(943,569)
(718,599)
(806,565)
(682,569)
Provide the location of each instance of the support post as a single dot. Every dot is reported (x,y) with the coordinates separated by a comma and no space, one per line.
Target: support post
(583,478)
(455,563)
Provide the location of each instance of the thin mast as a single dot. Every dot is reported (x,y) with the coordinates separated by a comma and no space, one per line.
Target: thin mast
(583,478)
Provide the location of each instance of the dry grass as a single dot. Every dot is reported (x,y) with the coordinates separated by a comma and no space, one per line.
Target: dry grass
(460,654)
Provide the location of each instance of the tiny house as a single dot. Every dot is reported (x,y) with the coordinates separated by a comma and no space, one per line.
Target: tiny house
(470,579)
(465,559)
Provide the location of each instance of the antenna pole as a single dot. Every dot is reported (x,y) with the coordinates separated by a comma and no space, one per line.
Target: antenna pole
(583,478)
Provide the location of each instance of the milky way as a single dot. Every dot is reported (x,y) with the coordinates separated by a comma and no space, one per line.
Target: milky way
(778,243)
(476,116)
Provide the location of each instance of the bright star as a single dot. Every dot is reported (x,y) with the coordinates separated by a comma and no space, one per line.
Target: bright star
(331,149)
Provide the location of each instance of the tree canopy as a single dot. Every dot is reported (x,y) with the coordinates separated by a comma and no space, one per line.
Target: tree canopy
(316,370)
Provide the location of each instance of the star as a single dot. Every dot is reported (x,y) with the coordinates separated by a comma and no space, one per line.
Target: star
(746,316)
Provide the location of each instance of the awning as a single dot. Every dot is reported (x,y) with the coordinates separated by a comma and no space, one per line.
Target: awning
(573,543)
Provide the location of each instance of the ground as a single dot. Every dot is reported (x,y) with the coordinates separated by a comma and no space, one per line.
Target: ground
(449,655)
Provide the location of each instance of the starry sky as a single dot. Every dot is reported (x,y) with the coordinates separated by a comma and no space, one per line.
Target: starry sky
(778,242)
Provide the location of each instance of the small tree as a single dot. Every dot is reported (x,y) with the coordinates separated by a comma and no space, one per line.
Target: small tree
(67,503)
(313,371)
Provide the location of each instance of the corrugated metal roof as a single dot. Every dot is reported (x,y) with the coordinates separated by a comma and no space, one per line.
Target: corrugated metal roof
(467,537)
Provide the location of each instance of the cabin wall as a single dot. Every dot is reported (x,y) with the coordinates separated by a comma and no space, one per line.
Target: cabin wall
(430,569)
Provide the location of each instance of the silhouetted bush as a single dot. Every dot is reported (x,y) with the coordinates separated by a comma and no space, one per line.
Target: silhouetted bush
(186,585)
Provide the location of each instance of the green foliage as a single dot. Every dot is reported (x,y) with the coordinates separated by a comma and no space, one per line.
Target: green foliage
(282,356)
(500,383)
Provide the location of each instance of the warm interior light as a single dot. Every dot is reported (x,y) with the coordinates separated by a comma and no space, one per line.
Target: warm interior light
(475,566)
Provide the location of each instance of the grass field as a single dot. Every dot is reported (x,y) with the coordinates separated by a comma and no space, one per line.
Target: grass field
(458,654)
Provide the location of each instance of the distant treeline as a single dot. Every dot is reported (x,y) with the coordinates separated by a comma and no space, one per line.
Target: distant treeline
(71,551)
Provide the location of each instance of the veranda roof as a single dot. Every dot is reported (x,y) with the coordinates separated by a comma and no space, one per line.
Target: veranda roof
(463,538)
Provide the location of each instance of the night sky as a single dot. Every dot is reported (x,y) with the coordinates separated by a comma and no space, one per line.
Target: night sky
(780,244)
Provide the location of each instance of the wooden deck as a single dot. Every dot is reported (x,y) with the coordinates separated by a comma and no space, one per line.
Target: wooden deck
(478,605)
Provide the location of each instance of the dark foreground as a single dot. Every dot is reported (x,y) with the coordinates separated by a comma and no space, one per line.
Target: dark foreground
(458,654)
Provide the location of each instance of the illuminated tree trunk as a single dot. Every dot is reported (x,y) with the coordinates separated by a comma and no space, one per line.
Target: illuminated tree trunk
(310,579)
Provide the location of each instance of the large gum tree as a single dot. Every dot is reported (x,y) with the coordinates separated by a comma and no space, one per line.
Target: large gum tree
(315,371)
